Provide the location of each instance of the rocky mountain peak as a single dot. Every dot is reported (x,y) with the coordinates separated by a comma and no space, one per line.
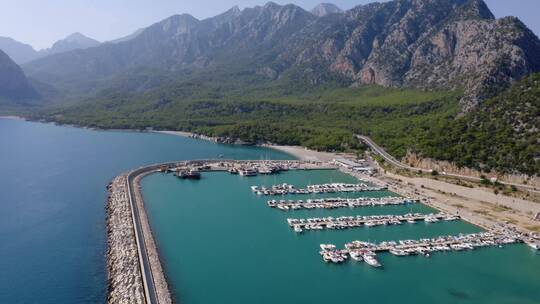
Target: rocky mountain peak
(324,9)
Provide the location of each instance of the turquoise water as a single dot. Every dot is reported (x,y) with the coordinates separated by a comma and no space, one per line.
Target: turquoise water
(220,243)
(52,203)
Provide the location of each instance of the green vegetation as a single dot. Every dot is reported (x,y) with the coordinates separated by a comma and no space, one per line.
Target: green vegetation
(502,134)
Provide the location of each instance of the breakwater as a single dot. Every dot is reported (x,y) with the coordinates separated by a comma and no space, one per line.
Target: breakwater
(125,282)
(135,274)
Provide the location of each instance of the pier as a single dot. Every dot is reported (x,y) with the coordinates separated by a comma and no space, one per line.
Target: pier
(365,251)
(285,189)
(349,222)
(333,203)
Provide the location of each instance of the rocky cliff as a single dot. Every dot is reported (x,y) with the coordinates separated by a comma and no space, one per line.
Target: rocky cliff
(451,44)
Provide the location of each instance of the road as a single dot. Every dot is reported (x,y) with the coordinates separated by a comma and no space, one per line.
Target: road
(390,159)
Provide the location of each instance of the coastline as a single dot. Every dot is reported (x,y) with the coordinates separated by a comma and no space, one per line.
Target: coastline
(478,205)
(301,153)
(12,117)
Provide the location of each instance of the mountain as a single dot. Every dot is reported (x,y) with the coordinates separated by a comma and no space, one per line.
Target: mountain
(23,53)
(17,51)
(502,135)
(128,37)
(428,44)
(324,9)
(14,87)
(72,42)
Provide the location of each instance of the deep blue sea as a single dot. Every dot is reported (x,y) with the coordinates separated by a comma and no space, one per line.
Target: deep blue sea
(52,203)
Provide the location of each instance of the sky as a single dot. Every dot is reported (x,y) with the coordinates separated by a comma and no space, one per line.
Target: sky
(42,22)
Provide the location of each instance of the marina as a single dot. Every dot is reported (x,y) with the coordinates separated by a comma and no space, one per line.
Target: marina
(349,222)
(333,203)
(191,260)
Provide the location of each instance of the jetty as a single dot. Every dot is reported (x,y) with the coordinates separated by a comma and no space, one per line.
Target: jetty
(349,222)
(284,189)
(366,251)
(333,203)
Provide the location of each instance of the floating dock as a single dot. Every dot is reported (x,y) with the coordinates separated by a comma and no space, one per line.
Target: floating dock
(359,250)
(349,222)
(333,203)
(284,189)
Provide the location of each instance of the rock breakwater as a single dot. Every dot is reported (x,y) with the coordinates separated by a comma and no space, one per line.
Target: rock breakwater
(125,283)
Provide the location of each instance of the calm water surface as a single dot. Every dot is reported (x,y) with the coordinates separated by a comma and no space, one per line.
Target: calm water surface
(52,199)
(220,243)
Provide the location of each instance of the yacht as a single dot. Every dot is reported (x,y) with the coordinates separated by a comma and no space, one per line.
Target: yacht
(371,260)
(356,256)
(247,172)
(265,170)
(398,252)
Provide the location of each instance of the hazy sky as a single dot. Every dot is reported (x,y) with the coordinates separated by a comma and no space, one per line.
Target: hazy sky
(42,22)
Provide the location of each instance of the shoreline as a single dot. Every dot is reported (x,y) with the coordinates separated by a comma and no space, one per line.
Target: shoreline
(301,153)
(14,117)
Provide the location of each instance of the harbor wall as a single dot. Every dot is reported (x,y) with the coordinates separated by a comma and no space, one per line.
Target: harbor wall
(125,284)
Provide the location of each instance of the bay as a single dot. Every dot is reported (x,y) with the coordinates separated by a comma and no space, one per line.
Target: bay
(52,203)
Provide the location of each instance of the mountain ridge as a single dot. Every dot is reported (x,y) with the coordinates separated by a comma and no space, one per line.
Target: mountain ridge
(23,53)
(403,43)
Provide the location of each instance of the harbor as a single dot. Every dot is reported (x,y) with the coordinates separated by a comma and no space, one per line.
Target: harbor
(349,222)
(334,203)
(239,224)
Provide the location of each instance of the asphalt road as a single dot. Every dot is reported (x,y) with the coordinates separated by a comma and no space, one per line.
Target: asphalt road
(390,159)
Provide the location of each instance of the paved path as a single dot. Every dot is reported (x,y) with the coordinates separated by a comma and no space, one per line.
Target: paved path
(390,159)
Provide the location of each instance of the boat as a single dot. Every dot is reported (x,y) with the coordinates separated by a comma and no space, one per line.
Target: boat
(297,228)
(233,171)
(398,252)
(265,170)
(534,245)
(247,172)
(326,247)
(371,260)
(356,256)
(189,174)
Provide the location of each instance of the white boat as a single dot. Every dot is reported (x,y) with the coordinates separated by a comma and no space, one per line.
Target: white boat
(328,247)
(533,245)
(398,252)
(247,172)
(297,228)
(371,260)
(265,170)
(356,256)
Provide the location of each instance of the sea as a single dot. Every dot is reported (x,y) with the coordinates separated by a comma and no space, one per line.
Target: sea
(52,202)
(218,242)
